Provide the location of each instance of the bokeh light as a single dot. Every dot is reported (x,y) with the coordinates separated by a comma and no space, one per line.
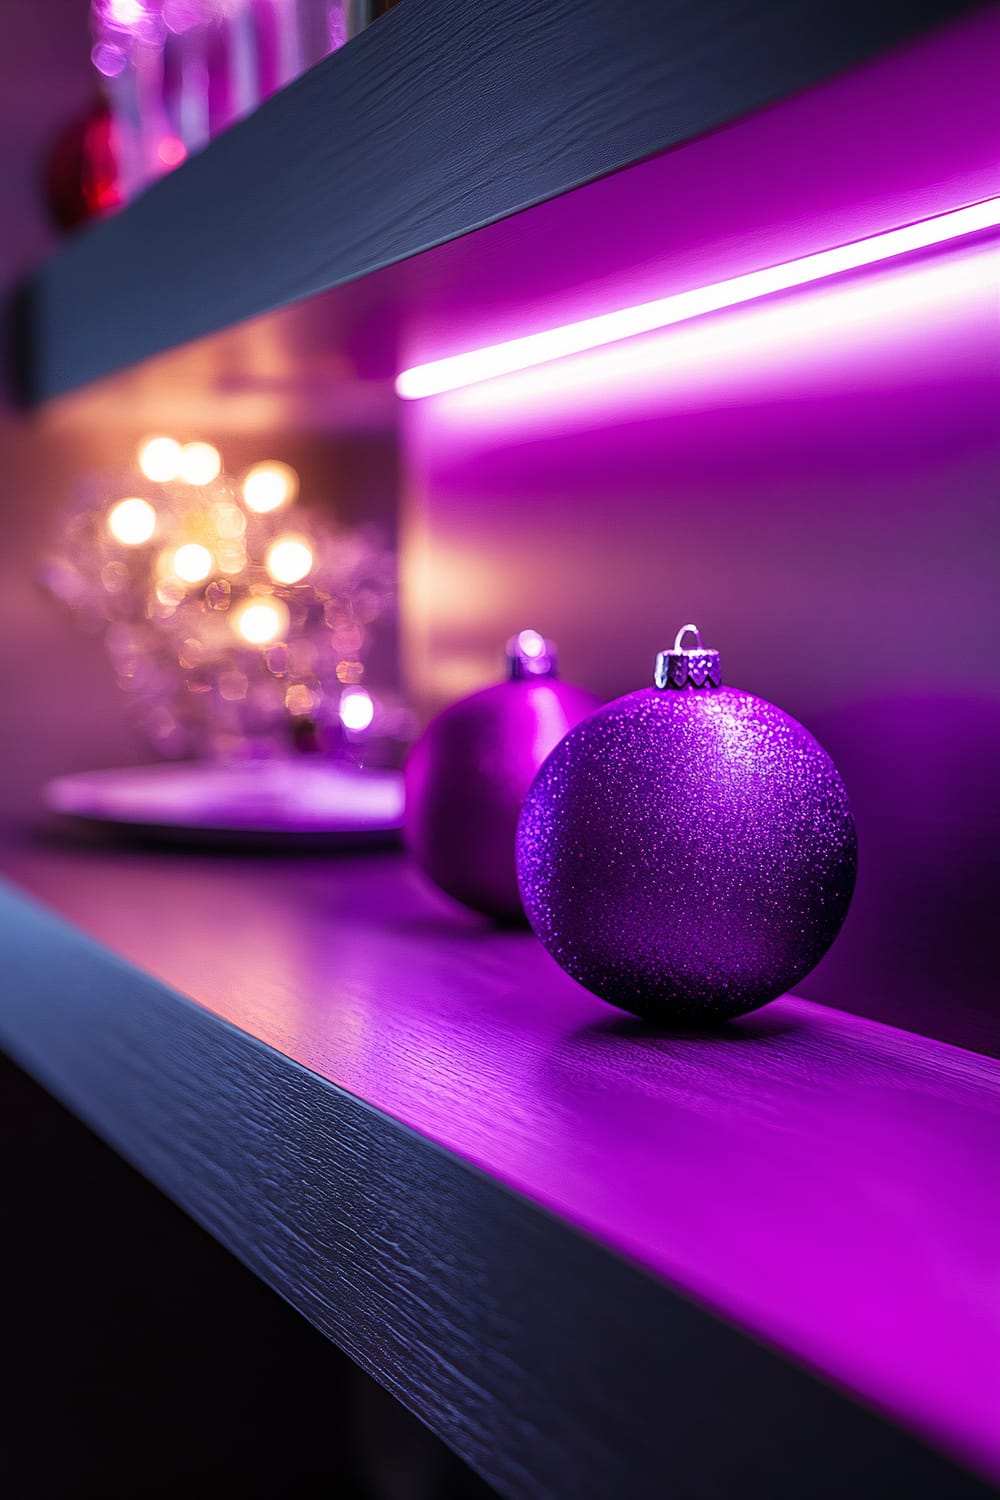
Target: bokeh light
(132,521)
(261,621)
(200,463)
(289,559)
(108,59)
(301,700)
(192,562)
(126,12)
(356,709)
(171,151)
(160,459)
(267,486)
(233,633)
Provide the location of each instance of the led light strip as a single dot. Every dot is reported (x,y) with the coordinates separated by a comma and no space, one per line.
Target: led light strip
(591,333)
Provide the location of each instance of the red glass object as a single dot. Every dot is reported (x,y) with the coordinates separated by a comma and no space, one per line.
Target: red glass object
(81,173)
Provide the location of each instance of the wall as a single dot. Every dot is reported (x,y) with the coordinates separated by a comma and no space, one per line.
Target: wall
(45,81)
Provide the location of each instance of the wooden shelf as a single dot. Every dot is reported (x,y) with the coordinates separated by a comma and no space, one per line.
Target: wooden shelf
(442,118)
(587,1254)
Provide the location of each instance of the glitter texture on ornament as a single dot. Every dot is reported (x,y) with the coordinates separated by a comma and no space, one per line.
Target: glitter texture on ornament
(687,852)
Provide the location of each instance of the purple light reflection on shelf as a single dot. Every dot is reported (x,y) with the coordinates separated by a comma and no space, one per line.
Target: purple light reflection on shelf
(853,1226)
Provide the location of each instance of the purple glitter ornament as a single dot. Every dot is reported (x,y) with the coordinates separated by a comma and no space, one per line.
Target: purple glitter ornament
(467,775)
(687,852)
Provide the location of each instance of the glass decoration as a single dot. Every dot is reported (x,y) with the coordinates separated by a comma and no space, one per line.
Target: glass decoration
(177,72)
(238,623)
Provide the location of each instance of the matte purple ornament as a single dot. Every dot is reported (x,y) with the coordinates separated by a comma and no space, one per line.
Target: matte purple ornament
(687,852)
(468,773)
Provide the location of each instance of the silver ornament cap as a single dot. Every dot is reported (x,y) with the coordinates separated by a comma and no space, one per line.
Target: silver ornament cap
(530,655)
(687,666)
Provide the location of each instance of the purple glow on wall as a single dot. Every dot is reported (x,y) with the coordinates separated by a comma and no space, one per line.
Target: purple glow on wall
(908,319)
(611,327)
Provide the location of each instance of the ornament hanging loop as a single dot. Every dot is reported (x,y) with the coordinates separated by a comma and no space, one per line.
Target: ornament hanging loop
(687,667)
(688,630)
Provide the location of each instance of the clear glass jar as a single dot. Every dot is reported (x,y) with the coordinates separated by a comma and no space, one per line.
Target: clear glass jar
(177,72)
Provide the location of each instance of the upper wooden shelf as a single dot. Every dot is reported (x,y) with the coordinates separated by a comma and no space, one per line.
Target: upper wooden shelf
(588,1254)
(445,116)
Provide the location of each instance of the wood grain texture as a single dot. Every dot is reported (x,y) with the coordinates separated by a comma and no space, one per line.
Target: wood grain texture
(439,119)
(823,1182)
(164,1365)
(553,1366)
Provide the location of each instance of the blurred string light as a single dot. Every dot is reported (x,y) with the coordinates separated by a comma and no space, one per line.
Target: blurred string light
(160,459)
(269,486)
(192,563)
(289,559)
(356,709)
(234,634)
(261,621)
(199,463)
(132,521)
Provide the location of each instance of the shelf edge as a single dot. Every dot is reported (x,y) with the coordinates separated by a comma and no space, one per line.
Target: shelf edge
(505,1329)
